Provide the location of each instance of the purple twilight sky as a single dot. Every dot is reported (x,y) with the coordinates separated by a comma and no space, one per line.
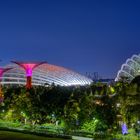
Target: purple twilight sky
(83,35)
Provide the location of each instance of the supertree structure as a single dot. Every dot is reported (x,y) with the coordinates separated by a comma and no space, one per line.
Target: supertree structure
(28,67)
(2,70)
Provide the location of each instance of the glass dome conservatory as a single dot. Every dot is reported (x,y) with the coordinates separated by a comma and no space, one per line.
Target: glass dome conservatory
(130,69)
(44,74)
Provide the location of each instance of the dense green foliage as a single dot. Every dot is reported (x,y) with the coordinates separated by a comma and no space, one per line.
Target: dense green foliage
(94,108)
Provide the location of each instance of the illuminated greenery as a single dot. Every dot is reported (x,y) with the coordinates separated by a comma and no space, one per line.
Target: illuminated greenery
(91,108)
(94,125)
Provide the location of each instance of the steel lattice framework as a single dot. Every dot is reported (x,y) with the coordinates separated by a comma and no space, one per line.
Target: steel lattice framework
(43,75)
(130,69)
(28,67)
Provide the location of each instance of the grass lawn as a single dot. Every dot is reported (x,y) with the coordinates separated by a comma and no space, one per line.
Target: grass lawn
(6,135)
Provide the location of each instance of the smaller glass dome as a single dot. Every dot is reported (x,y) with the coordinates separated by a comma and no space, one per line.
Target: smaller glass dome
(130,69)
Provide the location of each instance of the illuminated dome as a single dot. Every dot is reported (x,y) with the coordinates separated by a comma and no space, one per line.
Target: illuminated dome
(130,69)
(43,75)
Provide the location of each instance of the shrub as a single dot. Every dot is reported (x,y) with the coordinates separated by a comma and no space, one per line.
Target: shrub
(94,125)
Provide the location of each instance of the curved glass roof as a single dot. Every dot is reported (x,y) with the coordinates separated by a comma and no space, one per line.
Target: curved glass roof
(43,75)
(130,69)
